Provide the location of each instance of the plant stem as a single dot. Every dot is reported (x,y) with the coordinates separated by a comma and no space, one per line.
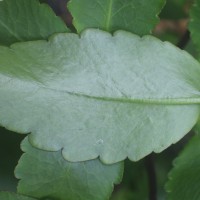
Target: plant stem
(149,164)
(184,40)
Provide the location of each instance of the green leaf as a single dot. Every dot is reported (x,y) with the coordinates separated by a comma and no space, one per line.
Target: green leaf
(135,16)
(47,174)
(194,24)
(184,178)
(102,95)
(174,10)
(134,184)
(12,196)
(22,20)
(9,154)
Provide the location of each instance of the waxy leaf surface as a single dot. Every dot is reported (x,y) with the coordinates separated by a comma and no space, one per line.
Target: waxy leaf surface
(22,20)
(194,25)
(139,17)
(13,196)
(184,178)
(47,174)
(99,95)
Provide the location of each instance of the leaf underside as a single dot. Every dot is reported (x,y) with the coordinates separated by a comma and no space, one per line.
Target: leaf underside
(22,20)
(98,94)
(139,17)
(194,24)
(12,196)
(184,179)
(47,174)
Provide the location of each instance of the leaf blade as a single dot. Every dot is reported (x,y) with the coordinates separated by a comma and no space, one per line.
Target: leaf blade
(183,180)
(195,24)
(47,174)
(94,103)
(138,17)
(12,196)
(19,21)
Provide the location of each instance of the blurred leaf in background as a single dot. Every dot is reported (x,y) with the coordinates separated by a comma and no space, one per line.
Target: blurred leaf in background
(176,9)
(184,178)
(134,184)
(174,20)
(9,155)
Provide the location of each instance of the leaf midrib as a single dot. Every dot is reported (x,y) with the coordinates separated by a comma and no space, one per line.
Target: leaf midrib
(125,99)
(158,101)
(108,19)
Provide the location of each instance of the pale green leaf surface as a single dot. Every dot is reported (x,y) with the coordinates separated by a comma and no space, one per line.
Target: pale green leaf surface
(47,174)
(139,17)
(194,24)
(99,95)
(22,20)
(13,196)
(184,178)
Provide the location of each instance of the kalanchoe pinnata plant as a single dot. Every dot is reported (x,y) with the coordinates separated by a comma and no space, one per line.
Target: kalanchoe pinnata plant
(100,84)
